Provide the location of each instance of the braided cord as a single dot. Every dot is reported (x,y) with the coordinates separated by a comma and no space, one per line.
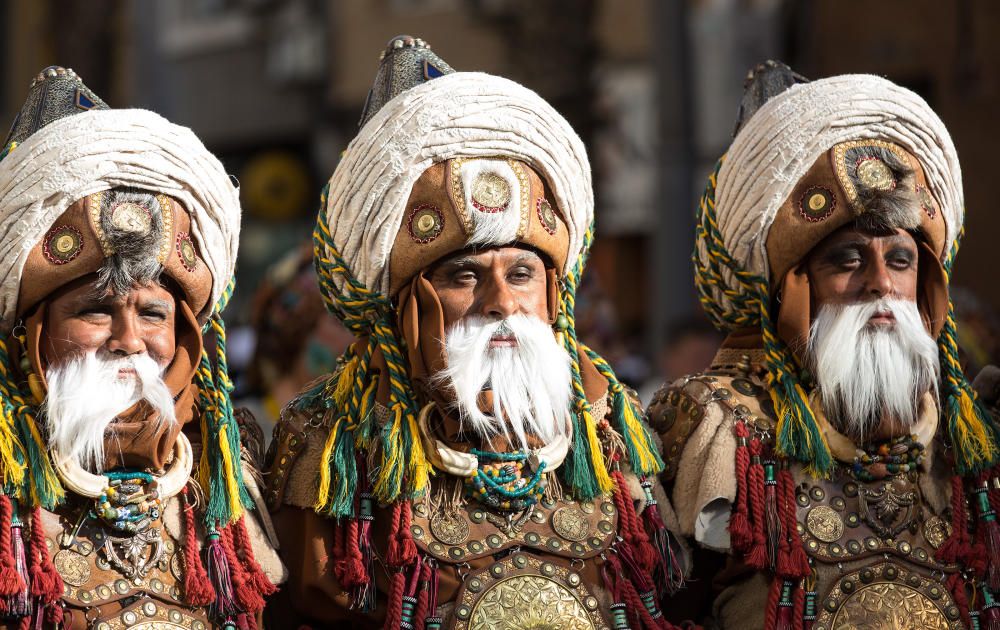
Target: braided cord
(403,470)
(971,428)
(749,304)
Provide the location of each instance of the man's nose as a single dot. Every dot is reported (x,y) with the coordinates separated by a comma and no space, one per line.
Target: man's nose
(499,301)
(878,281)
(125,339)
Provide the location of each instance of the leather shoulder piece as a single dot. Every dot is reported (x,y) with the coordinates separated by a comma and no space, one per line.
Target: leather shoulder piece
(251,436)
(292,436)
(677,410)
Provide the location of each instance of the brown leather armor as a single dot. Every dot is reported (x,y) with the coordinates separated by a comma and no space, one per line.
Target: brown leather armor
(871,544)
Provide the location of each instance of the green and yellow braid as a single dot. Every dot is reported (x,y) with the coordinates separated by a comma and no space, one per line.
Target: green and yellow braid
(219,471)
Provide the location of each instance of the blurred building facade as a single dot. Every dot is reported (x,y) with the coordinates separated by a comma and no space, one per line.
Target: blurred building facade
(276,87)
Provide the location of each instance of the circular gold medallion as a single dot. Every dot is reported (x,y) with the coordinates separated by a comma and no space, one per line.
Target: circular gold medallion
(132,217)
(450,529)
(186,252)
(817,203)
(825,524)
(874,173)
(570,523)
(926,201)
(936,531)
(529,601)
(490,193)
(546,215)
(425,223)
(73,567)
(175,566)
(62,244)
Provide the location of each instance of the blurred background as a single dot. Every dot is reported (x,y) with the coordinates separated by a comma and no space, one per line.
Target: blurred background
(276,87)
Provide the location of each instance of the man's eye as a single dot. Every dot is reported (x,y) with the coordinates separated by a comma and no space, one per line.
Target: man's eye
(464,276)
(521,274)
(154,314)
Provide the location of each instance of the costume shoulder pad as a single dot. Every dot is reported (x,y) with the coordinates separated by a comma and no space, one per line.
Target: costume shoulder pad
(695,417)
(294,456)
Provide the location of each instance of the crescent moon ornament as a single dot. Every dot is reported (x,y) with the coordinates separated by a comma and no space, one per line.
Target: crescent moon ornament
(87,484)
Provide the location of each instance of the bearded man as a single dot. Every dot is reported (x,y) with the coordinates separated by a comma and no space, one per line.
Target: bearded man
(470,461)
(834,450)
(119,234)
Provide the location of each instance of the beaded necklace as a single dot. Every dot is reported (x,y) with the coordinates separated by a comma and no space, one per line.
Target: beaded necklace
(899,455)
(499,483)
(130,503)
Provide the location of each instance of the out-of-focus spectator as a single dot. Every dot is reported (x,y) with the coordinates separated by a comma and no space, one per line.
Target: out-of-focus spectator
(296,339)
(690,346)
(978,331)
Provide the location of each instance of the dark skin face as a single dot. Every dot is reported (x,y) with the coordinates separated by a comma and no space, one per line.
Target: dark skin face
(853,265)
(78,321)
(494,283)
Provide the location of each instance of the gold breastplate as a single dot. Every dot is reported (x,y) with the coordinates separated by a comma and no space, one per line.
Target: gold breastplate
(528,567)
(873,546)
(116,582)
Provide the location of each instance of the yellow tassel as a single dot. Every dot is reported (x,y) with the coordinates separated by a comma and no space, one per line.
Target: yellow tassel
(365,409)
(232,488)
(604,482)
(346,381)
(50,479)
(324,467)
(10,448)
(639,439)
(391,455)
(976,445)
(418,465)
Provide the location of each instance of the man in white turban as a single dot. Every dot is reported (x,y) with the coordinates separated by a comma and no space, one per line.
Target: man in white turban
(118,235)
(834,452)
(470,462)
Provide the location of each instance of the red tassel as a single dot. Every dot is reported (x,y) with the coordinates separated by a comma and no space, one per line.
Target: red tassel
(632,530)
(249,599)
(796,562)
(432,594)
(756,557)
(423,596)
(46,583)
(772,518)
(667,574)
(740,535)
(220,574)
(256,577)
(989,618)
(642,617)
(394,607)
(11,582)
(771,607)
(402,551)
(955,548)
(353,571)
(798,608)
(198,591)
(19,604)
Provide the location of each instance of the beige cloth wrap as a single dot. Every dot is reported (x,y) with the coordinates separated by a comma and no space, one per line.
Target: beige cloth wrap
(79,155)
(465,114)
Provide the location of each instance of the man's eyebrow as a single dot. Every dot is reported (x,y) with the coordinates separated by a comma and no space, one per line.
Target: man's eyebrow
(462,261)
(158,303)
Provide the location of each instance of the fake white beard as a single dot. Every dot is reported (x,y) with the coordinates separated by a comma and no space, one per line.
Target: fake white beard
(85,395)
(866,372)
(531,381)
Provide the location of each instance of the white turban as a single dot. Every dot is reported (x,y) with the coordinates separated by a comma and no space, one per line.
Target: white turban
(463,114)
(783,139)
(92,151)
